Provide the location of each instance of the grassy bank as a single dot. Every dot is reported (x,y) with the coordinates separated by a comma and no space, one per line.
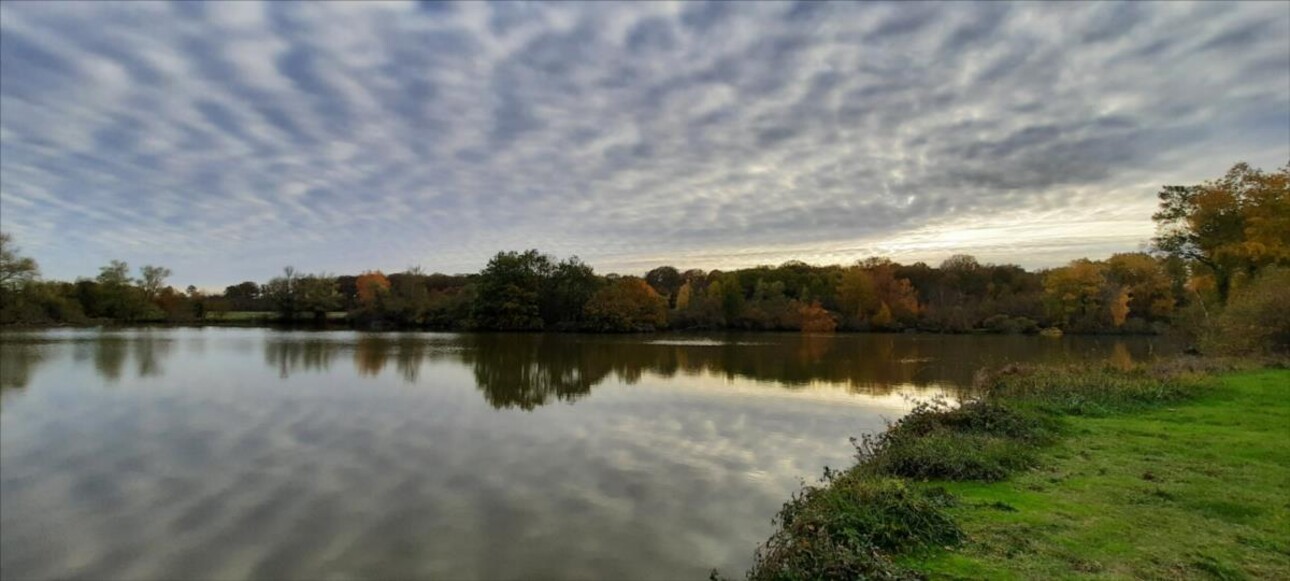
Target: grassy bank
(1174,471)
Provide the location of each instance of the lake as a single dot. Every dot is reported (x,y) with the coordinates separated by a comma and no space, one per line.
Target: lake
(254,453)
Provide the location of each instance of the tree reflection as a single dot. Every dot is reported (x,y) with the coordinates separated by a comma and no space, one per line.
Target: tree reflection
(18,361)
(148,353)
(527,371)
(294,354)
(109,357)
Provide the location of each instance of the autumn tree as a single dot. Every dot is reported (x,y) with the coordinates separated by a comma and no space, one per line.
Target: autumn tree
(370,284)
(815,319)
(897,298)
(1147,284)
(1075,293)
(628,304)
(857,295)
(1232,226)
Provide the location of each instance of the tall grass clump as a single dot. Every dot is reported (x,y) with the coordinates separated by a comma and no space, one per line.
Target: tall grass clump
(850,526)
(979,440)
(1088,391)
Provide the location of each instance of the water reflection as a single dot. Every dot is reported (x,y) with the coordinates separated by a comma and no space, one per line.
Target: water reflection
(526,371)
(248,453)
(17,364)
(299,354)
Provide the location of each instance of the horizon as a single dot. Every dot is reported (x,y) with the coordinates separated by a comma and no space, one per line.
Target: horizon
(226,141)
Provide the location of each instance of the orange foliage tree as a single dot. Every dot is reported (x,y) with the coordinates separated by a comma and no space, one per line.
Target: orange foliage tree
(370,284)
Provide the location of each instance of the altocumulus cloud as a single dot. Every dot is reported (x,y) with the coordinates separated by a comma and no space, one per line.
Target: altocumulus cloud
(229,139)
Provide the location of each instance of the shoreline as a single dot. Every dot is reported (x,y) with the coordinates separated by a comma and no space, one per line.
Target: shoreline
(1171,470)
(344,325)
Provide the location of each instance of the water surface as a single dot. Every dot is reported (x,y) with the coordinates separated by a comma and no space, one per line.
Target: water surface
(254,453)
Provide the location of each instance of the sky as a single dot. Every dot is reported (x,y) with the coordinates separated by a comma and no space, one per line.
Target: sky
(227,140)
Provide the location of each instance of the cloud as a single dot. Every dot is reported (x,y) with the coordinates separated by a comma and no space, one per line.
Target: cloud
(229,140)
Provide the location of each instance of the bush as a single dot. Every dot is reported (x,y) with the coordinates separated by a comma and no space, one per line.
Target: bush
(848,527)
(1256,320)
(946,454)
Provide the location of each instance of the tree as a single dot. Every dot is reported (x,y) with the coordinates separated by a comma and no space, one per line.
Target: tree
(857,295)
(629,304)
(1075,292)
(683,296)
(153,280)
(1119,307)
(317,294)
(565,292)
(817,320)
(282,293)
(509,291)
(897,296)
(369,285)
(1233,226)
(667,281)
(116,297)
(15,270)
(1149,287)
(116,273)
(244,296)
(1257,319)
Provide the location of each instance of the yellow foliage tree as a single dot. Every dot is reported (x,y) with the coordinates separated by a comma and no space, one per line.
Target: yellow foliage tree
(1074,292)
(1233,226)
(1120,308)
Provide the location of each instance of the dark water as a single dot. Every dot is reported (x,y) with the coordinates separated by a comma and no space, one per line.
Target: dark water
(251,453)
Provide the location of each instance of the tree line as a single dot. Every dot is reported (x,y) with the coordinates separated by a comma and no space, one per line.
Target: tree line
(1215,240)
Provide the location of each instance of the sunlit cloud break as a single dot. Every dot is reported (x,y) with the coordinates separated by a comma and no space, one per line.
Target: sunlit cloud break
(226,140)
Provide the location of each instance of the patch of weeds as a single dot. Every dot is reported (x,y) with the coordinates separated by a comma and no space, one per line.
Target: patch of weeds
(849,527)
(1089,392)
(946,455)
(979,440)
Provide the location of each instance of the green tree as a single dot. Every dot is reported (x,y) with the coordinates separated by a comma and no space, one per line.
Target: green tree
(153,279)
(667,281)
(565,292)
(509,291)
(15,270)
(282,293)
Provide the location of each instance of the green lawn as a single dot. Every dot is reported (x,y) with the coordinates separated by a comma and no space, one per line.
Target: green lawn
(1200,490)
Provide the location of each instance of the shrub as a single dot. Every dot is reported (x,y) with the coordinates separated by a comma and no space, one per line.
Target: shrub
(848,527)
(945,454)
(1256,320)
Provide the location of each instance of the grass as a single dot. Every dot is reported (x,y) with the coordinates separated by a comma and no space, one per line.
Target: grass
(1196,491)
(1161,472)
